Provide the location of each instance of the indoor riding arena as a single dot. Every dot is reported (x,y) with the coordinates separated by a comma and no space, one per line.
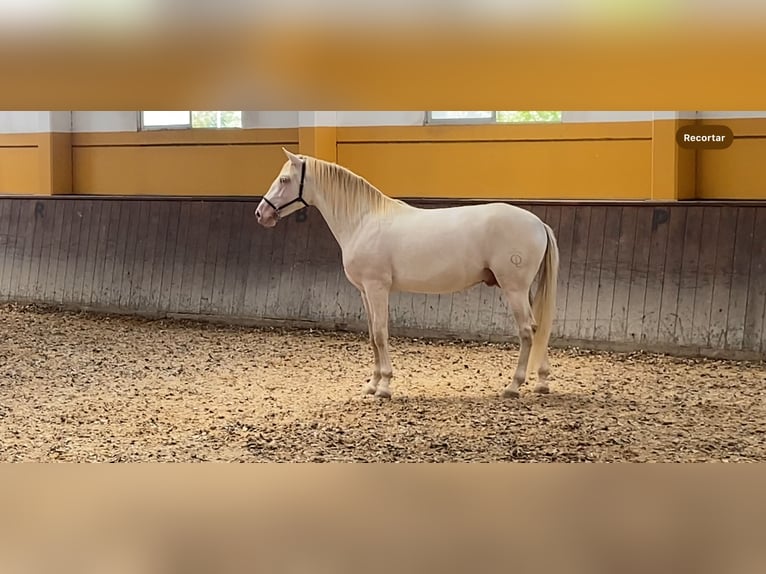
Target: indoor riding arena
(147,316)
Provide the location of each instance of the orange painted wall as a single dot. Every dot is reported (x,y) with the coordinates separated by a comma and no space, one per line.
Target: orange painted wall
(739,171)
(241,162)
(550,161)
(19,163)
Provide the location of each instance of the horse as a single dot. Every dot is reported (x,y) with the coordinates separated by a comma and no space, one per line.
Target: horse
(388,245)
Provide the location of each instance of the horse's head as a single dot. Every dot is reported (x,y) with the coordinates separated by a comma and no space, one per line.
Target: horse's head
(286,194)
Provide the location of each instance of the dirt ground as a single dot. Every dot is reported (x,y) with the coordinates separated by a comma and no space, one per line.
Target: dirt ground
(81,387)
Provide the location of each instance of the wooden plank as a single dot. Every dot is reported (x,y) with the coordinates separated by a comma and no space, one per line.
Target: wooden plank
(46,224)
(335,276)
(64,255)
(576,282)
(472,300)
(236,282)
(655,277)
(84,213)
(289,295)
(114,254)
(227,252)
(256,285)
(73,224)
(14,249)
(99,257)
(553,219)
(174,290)
(722,277)
(236,243)
(6,255)
(458,312)
(639,272)
(276,264)
(194,257)
(325,257)
(20,284)
(743,248)
(687,288)
(50,280)
(667,328)
(565,239)
(155,252)
(592,277)
(755,323)
(502,320)
(125,282)
(305,270)
(167,242)
(84,288)
(483,318)
(607,273)
(328,273)
(705,275)
(618,328)
(295,271)
(443,312)
(214,258)
(136,299)
(202,263)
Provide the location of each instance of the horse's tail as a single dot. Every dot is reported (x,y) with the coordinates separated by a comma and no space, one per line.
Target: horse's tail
(544,303)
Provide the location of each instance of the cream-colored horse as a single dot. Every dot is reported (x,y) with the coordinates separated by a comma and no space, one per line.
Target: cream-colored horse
(388,245)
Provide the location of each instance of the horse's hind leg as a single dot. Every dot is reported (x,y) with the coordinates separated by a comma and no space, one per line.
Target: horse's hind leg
(545,368)
(522,313)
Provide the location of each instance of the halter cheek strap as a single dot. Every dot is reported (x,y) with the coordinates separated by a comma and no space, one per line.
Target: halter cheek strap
(297,199)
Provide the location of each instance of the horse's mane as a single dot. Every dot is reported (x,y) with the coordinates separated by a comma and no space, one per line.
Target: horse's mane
(347,194)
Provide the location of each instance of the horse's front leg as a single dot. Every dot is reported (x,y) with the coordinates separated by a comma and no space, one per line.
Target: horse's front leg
(377,301)
(371,386)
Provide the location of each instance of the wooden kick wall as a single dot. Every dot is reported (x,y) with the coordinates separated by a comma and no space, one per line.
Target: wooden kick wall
(679,277)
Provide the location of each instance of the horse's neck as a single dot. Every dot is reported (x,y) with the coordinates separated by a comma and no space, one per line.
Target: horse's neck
(343,226)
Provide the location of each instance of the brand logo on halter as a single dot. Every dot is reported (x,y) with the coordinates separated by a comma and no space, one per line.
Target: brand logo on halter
(516,259)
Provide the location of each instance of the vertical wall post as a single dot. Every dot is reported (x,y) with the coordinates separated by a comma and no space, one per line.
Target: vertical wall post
(317,135)
(673,168)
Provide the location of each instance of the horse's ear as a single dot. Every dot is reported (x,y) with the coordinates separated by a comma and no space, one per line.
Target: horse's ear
(292,157)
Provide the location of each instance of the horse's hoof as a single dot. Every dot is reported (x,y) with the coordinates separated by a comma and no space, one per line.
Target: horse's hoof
(542,389)
(383,394)
(510,394)
(368,389)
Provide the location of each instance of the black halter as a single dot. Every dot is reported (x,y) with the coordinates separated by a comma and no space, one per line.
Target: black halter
(297,199)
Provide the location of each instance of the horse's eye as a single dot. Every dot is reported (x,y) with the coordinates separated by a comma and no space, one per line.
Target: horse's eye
(284,179)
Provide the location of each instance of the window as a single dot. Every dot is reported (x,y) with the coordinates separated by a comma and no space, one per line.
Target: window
(491,117)
(186,120)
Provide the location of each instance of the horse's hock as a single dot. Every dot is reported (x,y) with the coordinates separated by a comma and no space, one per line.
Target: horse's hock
(79,387)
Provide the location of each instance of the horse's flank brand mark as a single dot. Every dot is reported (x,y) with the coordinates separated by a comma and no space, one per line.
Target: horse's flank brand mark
(516,259)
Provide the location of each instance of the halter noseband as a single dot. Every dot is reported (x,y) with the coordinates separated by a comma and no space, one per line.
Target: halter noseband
(297,199)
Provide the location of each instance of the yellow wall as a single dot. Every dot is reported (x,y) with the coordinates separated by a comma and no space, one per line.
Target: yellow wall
(574,161)
(209,162)
(618,160)
(737,172)
(19,163)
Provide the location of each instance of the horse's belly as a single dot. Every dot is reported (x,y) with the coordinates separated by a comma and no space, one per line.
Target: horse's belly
(435,274)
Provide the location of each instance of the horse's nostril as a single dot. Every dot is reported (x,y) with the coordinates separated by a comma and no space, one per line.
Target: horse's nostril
(258,214)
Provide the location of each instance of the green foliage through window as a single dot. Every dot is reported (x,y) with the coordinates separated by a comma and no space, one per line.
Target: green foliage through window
(520,117)
(187,119)
(495,117)
(216,119)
